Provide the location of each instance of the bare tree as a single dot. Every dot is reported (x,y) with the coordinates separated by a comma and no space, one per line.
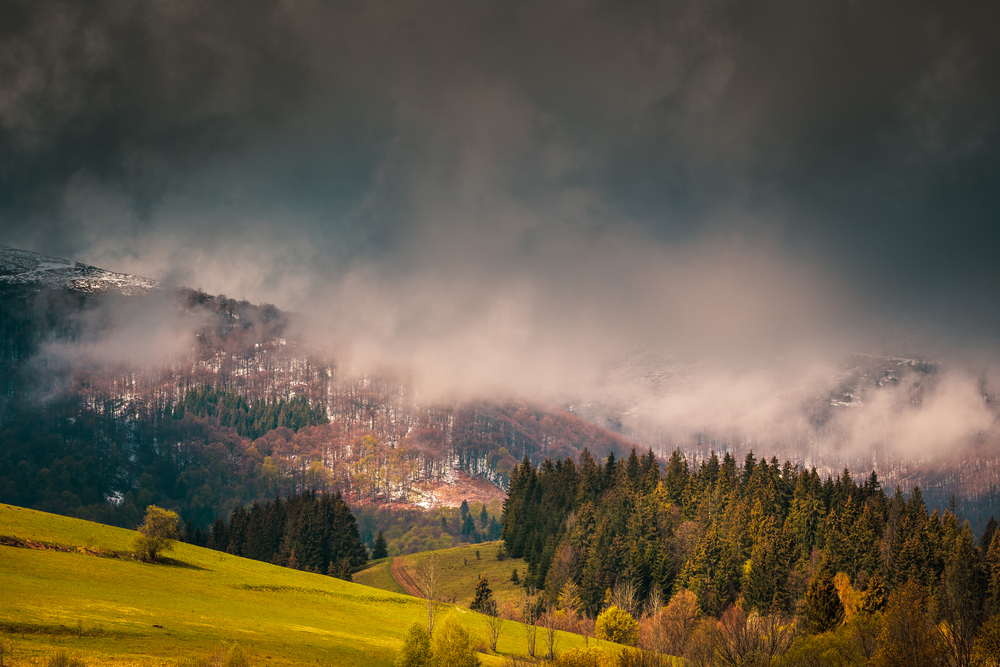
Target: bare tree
(427,578)
(669,629)
(549,623)
(529,614)
(626,598)
(494,622)
(750,640)
(654,602)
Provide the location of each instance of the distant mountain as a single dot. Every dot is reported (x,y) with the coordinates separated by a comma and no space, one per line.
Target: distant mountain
(26,270)
(116,393)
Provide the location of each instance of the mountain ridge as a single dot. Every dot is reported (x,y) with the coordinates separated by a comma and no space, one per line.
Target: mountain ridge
(34,271)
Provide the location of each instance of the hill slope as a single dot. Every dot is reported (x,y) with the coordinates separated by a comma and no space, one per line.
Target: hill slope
(460,570)
(106,609)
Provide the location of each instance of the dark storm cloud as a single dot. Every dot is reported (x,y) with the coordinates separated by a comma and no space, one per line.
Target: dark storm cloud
(521,193)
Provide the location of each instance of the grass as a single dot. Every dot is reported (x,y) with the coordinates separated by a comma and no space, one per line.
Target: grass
(116,611)
(460,571)
(376,575)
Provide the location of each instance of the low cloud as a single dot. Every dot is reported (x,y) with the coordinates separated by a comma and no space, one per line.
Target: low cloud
(690,213)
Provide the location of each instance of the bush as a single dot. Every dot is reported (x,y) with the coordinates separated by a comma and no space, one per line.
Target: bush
(416,651)
(617,625)
(634,657)
(987,648)
(453,647)
(583,657)
(156,534)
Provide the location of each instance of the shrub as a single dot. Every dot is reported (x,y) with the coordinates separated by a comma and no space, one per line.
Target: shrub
(987,648)
(156,534)
(634,657)
(617,625)
(416,649)
(519,661)
(583,657)
(453,647)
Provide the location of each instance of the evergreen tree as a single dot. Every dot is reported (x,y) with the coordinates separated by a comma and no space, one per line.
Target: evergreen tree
(992,601)
(381,549)
(484,596)
(987,538)
(824,610)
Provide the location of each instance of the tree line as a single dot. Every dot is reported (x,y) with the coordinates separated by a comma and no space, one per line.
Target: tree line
(311,532)
(250,418)
(769,540)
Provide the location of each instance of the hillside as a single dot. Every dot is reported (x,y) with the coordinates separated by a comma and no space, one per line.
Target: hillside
(118,611)
(460,569)
(98,370)
(32,271)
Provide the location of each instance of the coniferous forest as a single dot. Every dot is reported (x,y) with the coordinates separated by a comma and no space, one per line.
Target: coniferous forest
(771,550)
(304,532)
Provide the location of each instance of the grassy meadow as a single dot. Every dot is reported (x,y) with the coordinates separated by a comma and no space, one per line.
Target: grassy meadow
(117,611)
(459,572)
(377,575)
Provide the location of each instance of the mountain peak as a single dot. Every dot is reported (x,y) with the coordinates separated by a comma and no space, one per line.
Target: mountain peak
(34,271)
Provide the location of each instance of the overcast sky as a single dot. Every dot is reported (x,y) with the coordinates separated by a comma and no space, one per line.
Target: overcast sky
(462,183)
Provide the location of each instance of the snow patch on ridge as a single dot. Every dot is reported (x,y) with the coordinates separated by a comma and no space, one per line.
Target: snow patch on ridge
(34,271)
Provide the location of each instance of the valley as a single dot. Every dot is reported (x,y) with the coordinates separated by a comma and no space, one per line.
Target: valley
(116,611)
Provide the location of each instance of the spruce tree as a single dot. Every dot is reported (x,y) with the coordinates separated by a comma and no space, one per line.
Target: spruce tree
(824,611)
(987,538)
(993,575)
(381,549)
(484,596)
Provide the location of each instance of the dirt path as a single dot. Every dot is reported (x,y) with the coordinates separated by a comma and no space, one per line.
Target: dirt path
(403,578)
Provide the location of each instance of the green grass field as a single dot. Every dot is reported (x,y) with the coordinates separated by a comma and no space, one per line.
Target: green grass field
(120,611)
(460,571)
(376,575)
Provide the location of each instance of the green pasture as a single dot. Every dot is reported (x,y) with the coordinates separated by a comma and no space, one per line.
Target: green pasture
(460,571)
(376,574)
(118,611)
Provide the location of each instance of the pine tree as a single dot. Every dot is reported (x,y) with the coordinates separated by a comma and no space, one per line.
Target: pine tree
(987,538)
(484,596)
(381,549)
(993,575)
(824,611)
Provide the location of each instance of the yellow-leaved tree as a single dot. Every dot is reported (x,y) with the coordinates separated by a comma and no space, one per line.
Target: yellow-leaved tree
(157,534)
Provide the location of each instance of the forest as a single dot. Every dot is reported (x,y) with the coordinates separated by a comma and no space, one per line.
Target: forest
(304,532)
(759,546)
